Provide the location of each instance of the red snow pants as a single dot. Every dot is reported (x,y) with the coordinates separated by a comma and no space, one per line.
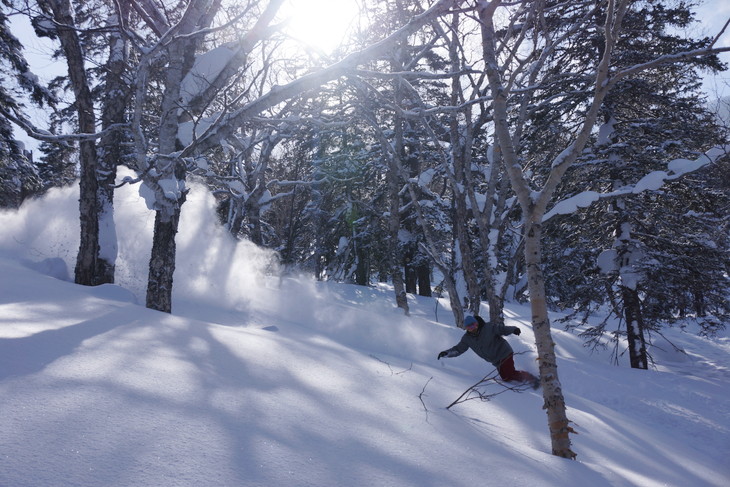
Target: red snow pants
(508,373)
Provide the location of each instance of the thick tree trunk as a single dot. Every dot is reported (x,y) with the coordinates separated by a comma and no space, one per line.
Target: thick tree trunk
(634,328)
(116,99)
(85,271)
(169,167)
(423,272)
(106,263)
(162,261)
(558,422)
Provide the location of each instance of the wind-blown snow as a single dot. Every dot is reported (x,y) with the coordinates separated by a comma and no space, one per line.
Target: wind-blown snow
(262,380)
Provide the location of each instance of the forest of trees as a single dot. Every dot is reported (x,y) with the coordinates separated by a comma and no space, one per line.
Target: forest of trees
(430,150)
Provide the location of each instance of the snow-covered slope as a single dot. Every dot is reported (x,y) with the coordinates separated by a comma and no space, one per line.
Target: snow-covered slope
(265,381)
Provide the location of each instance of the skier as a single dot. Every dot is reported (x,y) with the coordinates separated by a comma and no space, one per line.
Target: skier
(487,342)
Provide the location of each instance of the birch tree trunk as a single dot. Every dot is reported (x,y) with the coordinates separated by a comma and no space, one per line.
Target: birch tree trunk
(534,202)
(394,167)
(168,167)
(115,104)
(552,391)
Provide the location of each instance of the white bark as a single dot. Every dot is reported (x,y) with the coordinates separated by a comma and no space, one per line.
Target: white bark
(534,202)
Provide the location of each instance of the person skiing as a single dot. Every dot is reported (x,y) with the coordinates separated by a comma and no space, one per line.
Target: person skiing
(485,339)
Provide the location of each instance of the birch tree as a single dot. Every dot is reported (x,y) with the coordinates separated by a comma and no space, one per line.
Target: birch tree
(163,173)
(115,103)
(163,167)
(515,67)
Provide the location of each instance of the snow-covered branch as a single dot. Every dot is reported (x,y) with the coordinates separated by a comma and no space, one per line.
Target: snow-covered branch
(650,182)
(278,94)
(40,134)
(151,15)
(366,73)
(666,59)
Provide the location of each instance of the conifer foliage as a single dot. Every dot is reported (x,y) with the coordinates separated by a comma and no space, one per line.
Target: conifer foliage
(19,177)
(652,257)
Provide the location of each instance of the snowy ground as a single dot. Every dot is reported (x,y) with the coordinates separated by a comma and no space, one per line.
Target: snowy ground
(264,381)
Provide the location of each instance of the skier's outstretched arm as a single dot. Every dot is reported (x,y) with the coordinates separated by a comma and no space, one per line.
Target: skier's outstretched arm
(454,351)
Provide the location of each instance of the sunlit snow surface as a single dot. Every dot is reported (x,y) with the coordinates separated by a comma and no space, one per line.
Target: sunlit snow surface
(261,380)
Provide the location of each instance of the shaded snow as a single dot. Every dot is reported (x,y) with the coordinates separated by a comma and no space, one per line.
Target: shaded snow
(260,380)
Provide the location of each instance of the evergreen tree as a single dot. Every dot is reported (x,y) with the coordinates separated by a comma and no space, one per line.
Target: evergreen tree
(650,120)
(19,176)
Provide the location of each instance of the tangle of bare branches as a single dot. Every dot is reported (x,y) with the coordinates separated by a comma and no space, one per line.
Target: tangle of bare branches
(480,389)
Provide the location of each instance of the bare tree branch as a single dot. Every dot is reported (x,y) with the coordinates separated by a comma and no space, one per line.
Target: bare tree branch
(478,390)
(278,94)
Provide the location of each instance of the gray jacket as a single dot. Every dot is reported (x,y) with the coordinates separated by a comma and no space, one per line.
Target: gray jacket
(487,343)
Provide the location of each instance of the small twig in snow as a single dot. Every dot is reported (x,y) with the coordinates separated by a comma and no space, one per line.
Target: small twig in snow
(420,396)
(391,368)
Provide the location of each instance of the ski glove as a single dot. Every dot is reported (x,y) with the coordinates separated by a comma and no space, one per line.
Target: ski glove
(442,354)
(518,331)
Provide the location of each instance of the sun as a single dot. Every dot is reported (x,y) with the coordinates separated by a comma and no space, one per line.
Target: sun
(319,24)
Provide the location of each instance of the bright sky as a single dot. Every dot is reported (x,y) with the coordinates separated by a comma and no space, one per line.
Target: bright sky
(714,14)
(320,23)
(323,23)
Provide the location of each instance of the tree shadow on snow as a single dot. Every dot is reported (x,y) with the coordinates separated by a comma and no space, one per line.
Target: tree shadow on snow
(28,355)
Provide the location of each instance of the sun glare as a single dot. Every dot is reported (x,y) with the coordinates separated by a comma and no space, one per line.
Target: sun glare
(320,24)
